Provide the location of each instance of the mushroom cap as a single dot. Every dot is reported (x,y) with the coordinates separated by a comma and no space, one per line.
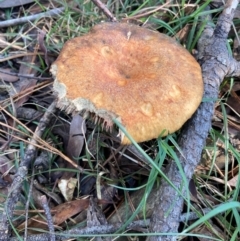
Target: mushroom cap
(142,77)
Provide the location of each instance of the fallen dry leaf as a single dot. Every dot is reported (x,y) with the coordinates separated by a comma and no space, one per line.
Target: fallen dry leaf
(67,187)
(60,214)
(234,181)
(234,103)
(68,209)
(41,36)
(203,230)
(3,41)
(5,164)
(7,77)
(23,88)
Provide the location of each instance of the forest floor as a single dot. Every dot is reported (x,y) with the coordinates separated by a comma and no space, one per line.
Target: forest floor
(80,175)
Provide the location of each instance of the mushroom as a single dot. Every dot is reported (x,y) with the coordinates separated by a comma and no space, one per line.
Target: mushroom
(142,77)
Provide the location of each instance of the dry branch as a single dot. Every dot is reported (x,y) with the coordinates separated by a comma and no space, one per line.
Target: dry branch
(85,232)
(216,63)
(17,21)
(47,211)
(21,175)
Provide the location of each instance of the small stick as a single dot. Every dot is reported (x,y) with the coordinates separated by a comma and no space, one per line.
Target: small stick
(23,76)
(105,10)
(17,21)
(48,216)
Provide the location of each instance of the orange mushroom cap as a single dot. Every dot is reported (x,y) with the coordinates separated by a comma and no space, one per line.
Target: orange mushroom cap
(118,70)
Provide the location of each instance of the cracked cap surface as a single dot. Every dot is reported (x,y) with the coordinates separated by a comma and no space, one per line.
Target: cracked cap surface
(143,78)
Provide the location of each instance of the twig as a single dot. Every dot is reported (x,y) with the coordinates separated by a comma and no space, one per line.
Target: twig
(19,55)
(105,10)
(24,76)
(21,174)
(106,229)
(48,216)
(27,205)
(17,21)
(216,63)
(89,231)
